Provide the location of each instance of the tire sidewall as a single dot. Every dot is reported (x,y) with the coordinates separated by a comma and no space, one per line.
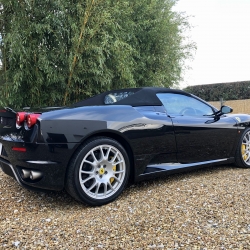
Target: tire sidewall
(82,152)
(239,159)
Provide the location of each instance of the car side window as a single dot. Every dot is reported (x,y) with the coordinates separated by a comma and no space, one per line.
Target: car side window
(178,104)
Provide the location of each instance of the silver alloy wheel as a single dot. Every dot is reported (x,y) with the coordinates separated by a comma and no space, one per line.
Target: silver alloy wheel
(245,148)
(102,171)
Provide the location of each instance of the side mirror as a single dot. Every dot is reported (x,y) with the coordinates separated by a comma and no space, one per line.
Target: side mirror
(225,110)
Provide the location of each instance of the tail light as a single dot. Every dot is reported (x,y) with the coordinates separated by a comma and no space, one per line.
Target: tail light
(31,119)
(19,149)
(20,117)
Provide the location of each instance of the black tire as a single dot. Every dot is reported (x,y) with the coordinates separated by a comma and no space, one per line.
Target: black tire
(242,157)
(99,172)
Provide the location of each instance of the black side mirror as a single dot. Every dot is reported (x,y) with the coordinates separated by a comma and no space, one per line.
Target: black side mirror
(225,110)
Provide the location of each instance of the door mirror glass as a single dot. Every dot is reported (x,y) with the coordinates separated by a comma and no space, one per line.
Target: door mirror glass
(226,110)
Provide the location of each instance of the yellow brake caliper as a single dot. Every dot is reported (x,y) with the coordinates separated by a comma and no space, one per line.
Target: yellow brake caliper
(112,178)
(243,151)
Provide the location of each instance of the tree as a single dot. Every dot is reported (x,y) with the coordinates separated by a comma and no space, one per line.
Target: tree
(58,52)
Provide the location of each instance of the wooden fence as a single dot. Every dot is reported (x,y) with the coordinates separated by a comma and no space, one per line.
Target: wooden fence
(238,106)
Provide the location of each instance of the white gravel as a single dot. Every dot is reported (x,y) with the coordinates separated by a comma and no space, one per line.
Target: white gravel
(205,209)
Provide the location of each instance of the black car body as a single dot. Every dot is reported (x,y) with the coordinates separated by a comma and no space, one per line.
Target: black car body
(93,147)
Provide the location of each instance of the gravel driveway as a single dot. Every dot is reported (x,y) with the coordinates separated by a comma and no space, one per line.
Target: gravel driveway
(205,209)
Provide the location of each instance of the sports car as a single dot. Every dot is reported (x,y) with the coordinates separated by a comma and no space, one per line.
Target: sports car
(95,147)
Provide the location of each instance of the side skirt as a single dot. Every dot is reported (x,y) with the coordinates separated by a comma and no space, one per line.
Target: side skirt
(156,170)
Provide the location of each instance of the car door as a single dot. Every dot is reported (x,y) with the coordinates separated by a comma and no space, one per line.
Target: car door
(200,134)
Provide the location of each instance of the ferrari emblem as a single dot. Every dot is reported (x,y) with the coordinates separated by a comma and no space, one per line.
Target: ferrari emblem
(101,171)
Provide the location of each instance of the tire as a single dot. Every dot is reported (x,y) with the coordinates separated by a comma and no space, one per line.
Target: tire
(99,172)
(242,157)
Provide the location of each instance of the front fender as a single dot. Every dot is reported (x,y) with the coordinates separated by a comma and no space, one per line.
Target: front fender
(242,120)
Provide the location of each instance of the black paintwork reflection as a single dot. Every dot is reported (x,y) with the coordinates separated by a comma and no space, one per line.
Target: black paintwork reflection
(56,141)
(151,137)
(78,123)
(97,113)
(150,141)
(72,131)
(197,140)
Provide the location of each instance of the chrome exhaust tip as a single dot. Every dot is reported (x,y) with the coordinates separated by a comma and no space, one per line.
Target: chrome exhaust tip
(34,175)
(25,174)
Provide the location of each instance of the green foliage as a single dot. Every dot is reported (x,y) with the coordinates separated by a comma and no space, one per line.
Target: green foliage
(226,91)
(58,52)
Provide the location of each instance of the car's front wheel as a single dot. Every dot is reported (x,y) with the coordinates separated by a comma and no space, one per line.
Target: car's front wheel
(242,157)
(99,172)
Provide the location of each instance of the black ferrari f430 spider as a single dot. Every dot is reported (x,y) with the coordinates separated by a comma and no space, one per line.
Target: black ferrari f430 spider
(95,146)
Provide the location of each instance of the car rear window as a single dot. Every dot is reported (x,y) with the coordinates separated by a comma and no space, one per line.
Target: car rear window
(117,96)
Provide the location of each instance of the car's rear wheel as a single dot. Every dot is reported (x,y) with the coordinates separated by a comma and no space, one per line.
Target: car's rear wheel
(99,172)
(243,151)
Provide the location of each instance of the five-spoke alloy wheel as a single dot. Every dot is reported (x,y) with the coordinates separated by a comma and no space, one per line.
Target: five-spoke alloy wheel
(99,171)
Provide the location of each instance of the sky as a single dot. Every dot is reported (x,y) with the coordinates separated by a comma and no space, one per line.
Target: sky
(221,31)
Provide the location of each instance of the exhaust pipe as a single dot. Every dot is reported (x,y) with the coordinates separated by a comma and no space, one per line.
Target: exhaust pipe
(25,173)
(34,175)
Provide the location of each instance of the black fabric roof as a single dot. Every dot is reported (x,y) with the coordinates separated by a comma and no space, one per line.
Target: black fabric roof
(145,96)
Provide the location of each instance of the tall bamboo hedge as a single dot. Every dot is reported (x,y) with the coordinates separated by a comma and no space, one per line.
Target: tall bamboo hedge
(61,51)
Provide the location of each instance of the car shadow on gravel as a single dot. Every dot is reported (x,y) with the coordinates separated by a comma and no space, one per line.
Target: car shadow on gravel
(64,201)
(175,178)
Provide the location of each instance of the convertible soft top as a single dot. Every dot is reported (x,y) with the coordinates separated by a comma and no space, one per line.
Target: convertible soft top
(145,96)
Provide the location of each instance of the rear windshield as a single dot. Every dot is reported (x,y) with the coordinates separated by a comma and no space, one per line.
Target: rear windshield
(117,96)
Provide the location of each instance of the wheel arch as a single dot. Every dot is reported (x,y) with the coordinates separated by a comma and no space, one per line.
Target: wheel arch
(115,136)
(239,160)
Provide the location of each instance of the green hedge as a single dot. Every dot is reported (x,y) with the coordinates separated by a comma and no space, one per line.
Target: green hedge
(226,91)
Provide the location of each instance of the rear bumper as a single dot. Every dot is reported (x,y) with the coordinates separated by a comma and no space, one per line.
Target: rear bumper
(8,169)
(48,180)
(49,161)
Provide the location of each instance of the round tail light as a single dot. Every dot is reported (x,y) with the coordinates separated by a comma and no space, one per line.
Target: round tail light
(31,119)
(20,117)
